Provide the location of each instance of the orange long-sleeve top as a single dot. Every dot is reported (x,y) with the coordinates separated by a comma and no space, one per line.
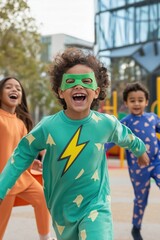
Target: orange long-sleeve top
(12,129)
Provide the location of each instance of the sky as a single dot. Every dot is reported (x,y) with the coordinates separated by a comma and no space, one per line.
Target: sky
(72,17)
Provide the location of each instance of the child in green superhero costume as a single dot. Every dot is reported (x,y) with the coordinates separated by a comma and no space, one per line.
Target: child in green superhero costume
(76,182)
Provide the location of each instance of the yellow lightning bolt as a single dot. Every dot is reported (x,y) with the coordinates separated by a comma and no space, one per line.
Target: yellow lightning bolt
(72,150)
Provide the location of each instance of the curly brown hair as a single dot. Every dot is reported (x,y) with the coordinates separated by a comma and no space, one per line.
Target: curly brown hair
(134,87)
(71,57)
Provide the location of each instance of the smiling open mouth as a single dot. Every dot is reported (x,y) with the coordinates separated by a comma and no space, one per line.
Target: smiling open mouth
(79,97)
(13,96)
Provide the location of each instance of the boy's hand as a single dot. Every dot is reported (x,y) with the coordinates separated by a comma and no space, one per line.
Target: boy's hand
(37,165)
(143,160)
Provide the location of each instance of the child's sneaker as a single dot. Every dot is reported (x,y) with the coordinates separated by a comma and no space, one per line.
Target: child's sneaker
(136,233)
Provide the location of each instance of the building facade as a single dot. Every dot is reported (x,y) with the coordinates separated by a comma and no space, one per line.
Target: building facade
(54,43)
(127,38)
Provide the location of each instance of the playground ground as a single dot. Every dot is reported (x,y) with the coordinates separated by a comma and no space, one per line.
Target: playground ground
(22,223)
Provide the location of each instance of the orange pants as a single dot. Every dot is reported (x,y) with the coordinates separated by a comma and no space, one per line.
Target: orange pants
(35,196)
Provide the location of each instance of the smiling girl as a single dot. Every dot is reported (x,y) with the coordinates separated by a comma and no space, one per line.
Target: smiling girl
(15,122)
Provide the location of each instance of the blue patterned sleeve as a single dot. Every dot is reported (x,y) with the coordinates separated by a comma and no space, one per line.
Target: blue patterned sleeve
(125,138)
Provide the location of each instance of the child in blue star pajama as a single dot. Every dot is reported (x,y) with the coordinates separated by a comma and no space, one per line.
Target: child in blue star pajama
(76,182)
(145,126)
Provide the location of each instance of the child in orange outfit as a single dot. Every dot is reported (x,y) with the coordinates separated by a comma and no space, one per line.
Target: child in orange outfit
(15,122)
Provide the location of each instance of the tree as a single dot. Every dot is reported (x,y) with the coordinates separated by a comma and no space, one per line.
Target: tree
(20,51)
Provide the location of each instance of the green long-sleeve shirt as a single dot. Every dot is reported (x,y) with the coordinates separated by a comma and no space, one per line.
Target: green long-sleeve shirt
(75,174)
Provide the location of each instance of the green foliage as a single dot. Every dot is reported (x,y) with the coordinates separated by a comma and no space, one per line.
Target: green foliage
(19,39)
(20,52)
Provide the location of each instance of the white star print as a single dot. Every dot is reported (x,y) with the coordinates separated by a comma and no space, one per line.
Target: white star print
(50,140)
(95,117)
(93,215)
(30,138)
(78,200)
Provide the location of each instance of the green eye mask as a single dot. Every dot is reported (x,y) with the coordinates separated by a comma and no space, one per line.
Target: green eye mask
(86,80)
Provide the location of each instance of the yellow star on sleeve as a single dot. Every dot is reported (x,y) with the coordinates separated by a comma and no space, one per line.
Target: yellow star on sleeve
(12,160)
(60,228)
(83,235)
(50,140)
(108,198)
(30,138)
(99,146)
(95,117)
(93,215)
(131,136)
(78,200)
(8,191)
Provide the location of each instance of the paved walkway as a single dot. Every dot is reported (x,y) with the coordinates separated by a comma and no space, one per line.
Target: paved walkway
(22,223)
(122,205)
